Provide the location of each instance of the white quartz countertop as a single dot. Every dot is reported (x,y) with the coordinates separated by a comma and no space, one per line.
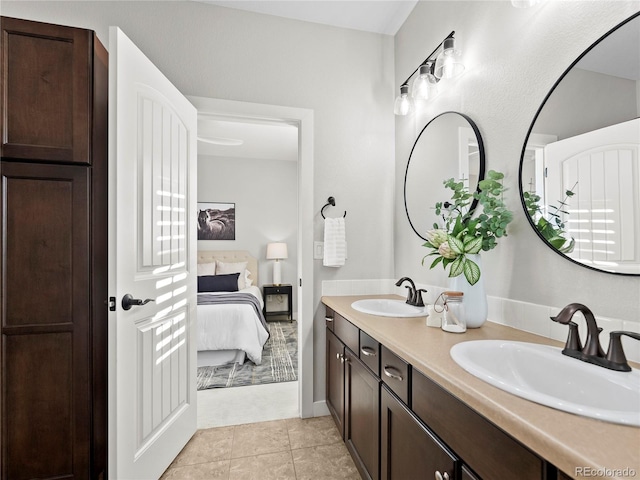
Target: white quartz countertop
(568,441)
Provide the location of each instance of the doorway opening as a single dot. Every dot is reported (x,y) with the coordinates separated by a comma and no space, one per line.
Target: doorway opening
(271,174)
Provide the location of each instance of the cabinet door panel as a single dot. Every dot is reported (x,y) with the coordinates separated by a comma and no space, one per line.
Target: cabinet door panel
(335,380)
(45,321)
(45,101)
(362,416)
(407,449)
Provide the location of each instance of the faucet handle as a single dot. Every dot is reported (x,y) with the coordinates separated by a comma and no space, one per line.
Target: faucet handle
(418,302)
(573,339)
(616,358)
(410,294)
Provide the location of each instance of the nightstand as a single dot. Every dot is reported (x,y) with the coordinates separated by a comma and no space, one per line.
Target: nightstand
(278,290)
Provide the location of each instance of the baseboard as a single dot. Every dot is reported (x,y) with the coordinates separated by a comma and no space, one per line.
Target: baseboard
(320,408)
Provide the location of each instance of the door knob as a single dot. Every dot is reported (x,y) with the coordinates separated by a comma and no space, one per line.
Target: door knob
(128,301)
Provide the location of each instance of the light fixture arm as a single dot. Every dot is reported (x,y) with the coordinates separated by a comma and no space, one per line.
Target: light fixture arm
(428,59)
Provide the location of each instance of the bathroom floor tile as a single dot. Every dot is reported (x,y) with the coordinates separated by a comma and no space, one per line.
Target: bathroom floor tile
(270,466)
(200,471)
(260,438)
(289,449)
(328,462)
(312,432)
(207,446)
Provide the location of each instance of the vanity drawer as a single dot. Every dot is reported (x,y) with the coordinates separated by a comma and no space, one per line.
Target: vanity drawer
(346,331)
(489,451)
(395,373)
(329,316)
(370,352)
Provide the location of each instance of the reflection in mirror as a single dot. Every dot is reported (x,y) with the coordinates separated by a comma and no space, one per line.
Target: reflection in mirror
(580,167)
(449,146)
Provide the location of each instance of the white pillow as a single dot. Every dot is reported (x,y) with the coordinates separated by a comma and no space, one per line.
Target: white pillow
(207,269)
(238,267)
(247,281)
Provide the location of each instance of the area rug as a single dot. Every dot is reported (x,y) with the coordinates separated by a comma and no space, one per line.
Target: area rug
(279,362)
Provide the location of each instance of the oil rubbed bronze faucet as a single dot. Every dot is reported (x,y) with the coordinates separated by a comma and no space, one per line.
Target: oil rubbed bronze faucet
(592,351)
(414,296)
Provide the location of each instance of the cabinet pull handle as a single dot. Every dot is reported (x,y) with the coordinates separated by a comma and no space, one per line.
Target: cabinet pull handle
(396,376)
(328,319)
(440,476)
(368,351)
(338,355)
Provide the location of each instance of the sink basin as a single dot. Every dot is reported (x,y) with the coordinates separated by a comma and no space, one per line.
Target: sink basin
(388,308)
(541,374)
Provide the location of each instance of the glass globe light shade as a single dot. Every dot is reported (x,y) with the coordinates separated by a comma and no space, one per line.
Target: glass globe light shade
(404,103)
(425,86)
(449,62)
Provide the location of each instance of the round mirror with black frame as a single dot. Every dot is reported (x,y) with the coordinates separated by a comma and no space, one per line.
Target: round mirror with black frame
(449,146)
(580,166)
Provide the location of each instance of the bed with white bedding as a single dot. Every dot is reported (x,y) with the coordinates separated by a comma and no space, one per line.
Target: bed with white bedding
(230,323)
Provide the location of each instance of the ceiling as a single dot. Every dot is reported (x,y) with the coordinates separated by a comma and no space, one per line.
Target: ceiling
(379,16)
(248,140)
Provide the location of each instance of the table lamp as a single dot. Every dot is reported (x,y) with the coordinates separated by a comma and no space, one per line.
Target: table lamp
(277,252)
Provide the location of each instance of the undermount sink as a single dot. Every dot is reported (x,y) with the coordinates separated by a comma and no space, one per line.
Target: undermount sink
(388,308)
(541,374)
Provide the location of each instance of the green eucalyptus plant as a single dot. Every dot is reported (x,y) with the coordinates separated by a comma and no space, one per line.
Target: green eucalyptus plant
(552,227)
(462,233)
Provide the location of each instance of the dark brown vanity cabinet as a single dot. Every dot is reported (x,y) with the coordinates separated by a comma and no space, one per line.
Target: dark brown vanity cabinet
(489,451)
(398,424)
(335,380)
(353,393)
(362,413)
(53,280)
(408,449)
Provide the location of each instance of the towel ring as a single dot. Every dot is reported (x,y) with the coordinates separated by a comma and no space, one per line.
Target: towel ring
(330,201)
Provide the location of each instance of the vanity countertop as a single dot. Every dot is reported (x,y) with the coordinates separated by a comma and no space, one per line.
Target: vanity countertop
(568,441)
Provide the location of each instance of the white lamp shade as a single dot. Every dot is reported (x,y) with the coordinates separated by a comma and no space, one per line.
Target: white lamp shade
(277,251)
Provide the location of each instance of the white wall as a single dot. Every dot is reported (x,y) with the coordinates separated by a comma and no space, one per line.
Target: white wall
(567,114)
(266,194)
(345,76)
(513,58)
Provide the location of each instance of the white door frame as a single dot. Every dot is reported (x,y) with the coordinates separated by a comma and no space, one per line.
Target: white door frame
(303,119)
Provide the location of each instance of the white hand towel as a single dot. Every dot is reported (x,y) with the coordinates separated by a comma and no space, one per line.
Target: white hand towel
(335,243)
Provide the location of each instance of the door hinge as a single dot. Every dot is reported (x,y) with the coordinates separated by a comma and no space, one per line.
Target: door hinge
(112,304)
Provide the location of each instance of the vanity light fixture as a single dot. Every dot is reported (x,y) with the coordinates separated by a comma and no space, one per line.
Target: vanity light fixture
(404,103)
(447,64)
(425,86)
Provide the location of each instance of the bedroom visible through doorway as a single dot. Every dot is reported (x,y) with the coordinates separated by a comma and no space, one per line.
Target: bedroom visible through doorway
(261,181)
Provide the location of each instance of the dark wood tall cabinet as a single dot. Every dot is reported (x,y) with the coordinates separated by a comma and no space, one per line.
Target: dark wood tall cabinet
(53,261)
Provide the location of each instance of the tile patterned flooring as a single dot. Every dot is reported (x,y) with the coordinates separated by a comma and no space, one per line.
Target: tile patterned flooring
(291,449)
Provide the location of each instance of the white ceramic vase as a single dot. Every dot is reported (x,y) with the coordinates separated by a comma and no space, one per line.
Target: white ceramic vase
(475,297)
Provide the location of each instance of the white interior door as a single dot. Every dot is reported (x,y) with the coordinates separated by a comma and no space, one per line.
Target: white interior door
(602,168)
(152,357)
